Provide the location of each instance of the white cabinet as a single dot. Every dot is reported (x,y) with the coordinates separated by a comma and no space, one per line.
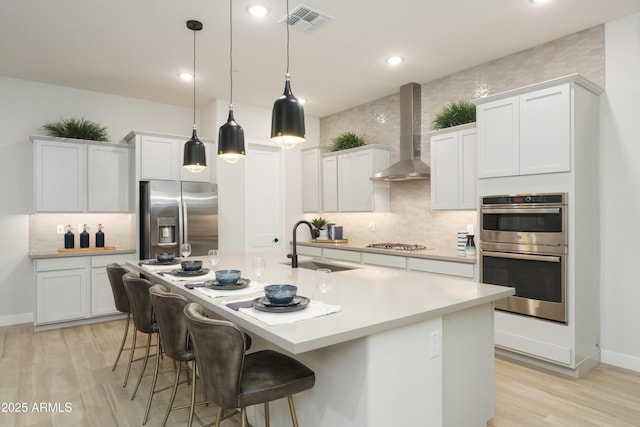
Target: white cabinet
(453,168)
(73,290)
(528,133)
(81,176)
(330,183)
(347,186)
(312,179)
(159,157)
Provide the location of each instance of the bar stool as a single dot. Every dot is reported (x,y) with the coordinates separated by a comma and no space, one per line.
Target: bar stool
(176,344)
(115,273)
(234,379)
(144,320)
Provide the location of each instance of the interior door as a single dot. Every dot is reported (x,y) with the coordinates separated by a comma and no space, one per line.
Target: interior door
(264,177)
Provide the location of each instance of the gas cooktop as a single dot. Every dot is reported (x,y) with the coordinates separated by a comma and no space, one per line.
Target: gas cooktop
(397,246)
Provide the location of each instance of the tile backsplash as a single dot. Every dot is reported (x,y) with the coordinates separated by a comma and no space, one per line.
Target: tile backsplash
(411,219)
(119,230)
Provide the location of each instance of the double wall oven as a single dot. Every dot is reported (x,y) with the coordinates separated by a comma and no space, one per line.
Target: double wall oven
(523,244)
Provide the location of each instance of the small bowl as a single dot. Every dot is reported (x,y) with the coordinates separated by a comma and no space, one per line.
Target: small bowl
(227,277)
(193,265)
(280,294)
(165,257)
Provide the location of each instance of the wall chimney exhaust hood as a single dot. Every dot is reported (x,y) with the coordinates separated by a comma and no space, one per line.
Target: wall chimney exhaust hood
(410,167)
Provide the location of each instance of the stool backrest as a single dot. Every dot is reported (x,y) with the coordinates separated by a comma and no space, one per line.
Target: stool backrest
(115,273)
(169,311)
(137,290)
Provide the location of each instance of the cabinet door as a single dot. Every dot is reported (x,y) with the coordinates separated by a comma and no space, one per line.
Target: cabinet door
(109,179)
(498,134)
(60,175)
(159,158)
(444,171)
(61,295)
(545,131)
(311,189)
(364,185)
(102,302)
(208,174)
(330,183)
(347,188)
(467,172)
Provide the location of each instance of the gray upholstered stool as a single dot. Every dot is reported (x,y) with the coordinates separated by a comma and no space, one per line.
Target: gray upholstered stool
(234,379)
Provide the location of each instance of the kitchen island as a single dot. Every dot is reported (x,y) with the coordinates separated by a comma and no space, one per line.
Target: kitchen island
(406,348)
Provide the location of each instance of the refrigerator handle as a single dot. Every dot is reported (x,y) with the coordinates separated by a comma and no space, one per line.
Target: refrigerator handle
(183,221)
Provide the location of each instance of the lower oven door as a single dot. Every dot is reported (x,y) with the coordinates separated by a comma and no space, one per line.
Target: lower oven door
(537,274)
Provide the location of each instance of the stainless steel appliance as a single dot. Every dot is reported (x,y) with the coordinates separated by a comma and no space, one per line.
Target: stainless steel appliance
(523,244)
(172,213)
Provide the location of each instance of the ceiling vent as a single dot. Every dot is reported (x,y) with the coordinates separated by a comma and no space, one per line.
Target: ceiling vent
(306,19)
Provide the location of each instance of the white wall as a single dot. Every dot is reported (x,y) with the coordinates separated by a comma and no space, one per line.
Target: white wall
(620,195)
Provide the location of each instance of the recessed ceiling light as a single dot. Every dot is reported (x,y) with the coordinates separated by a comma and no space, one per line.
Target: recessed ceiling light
(258,10)
(186,76)
(394,60)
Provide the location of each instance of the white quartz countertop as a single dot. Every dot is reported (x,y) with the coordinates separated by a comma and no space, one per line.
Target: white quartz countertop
(372,299)
(429,253)
(56,254)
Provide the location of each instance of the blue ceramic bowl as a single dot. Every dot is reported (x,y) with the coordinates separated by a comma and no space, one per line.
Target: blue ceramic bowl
(227,277)
(280,294)
(165,257)
(193,265)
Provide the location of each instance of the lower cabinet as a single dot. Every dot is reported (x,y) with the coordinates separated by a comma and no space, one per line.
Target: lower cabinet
(73,290)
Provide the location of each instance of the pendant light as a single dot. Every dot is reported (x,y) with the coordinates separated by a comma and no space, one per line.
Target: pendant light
(231,135)
(287,118)
(195,156)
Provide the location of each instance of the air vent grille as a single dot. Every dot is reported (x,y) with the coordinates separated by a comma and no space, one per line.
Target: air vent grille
(306,19)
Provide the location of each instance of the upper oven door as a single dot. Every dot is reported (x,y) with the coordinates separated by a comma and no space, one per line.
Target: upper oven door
(531,225)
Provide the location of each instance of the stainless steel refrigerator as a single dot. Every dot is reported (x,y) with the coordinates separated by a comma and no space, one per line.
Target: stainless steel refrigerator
(172,213)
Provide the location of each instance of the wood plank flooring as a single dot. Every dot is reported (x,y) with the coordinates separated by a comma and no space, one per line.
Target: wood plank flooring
(64,378)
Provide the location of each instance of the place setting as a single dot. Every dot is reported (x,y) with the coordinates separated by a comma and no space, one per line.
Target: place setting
(226,282)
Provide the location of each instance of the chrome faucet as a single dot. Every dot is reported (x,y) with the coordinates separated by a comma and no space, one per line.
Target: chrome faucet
(294,254)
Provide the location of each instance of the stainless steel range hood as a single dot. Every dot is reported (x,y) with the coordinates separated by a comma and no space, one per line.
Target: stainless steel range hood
(410,167)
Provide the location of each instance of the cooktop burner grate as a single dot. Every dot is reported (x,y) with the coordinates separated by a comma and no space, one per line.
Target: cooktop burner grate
(397,246)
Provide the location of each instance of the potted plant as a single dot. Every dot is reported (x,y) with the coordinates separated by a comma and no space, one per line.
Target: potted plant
(319,223)
(76,128)
(454,114)
(347,140)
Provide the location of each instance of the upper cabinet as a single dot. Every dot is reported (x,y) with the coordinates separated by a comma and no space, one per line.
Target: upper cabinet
(81,176)
(528,131)
(312,178)
(453,168)
(330,183)
(159,157)
(355,191)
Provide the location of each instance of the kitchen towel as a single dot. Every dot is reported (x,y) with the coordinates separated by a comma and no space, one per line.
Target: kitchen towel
(314,309)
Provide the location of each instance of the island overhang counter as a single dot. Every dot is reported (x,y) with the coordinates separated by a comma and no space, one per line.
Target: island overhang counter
(406,348)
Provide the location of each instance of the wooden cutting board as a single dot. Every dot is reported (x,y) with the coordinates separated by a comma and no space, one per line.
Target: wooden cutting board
(89,249)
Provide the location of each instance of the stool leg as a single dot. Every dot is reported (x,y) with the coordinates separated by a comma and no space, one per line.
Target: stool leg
(218,417)
(144,366)
(153,386)
(173,393)
(193,393)
(243,415)
(133,349)
(292,409)
(124,339)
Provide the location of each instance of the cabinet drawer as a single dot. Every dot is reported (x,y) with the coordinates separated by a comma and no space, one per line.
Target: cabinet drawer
(441,267)
(104,260)
(385,260)
(50,264)
(308,250)
(342,255)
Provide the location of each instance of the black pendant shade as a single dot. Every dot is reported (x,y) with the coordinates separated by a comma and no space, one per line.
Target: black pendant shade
(231,140)
(195,155)
(287,119)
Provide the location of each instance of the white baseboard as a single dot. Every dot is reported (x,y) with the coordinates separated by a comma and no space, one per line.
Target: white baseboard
(620,360)
(16,319)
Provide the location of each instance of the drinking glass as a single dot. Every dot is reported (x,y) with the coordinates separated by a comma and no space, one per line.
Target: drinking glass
(185,250)
(259,265)
(324,281)
(213,257)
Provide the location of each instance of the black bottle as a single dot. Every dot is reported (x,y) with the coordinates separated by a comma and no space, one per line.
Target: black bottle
(68,238)
(99,237)
(84,237)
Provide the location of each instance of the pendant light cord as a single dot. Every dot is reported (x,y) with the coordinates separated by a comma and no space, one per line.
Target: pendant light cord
(194,79)
(287,23)
(231,52)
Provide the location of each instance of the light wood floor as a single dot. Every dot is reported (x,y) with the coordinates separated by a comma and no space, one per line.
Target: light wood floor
(73,367)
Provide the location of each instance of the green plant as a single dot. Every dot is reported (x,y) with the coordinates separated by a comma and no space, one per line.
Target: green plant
(77,128)
(319,222)
(454,114)
(347,140)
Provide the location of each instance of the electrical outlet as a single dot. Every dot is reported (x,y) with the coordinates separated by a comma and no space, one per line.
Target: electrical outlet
(372,227)
(60,229)
(80,228)
(434,344)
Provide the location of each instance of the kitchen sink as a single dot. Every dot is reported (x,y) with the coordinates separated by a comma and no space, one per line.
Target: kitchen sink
(314,265)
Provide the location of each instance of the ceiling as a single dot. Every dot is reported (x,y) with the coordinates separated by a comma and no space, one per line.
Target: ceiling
(137,48)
